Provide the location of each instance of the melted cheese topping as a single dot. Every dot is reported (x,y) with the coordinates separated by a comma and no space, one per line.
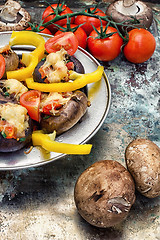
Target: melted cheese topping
(14,86)
(15,115)
(55,96)
(55,66)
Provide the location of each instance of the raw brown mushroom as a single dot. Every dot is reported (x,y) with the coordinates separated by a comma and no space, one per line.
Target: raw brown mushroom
(143,162)
(13,17)
(122,10)
(104,193)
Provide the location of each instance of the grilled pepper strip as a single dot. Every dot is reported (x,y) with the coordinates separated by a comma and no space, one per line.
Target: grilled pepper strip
(29,38)
(31,61)
(47,142)
(80,81)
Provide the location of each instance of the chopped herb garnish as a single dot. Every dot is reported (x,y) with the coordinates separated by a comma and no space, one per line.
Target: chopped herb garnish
(3,134)
(22,139)
(6,94)
(46,117)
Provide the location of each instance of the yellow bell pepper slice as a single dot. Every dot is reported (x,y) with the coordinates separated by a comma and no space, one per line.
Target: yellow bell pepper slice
(31,61)
(29,38)
(80,81)
(47,142)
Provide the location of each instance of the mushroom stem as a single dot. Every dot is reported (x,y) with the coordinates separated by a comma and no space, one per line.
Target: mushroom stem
(10,10)
(128,3)
(125,9)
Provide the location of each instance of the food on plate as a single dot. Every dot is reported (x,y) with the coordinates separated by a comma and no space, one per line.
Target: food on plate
(140,46)
(78,32)
(45,109)
(77,81)
(61,111)
(104,193)
(47,141)
(55,67)
(66,40)
(13,17)
(15,126)
(105,44)
(29,38)
(2,66)
(10,57)
(143,162)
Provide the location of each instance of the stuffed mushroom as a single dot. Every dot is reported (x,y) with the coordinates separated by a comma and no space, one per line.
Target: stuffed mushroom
(61,111)
(15,126)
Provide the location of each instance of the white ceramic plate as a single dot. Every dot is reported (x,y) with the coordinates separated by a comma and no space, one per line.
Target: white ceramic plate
(100,96)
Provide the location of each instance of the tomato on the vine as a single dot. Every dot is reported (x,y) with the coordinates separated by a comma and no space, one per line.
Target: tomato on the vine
(89,21)
(31,101)
(67,40)
(49,14)
(107,48)
(79,33)
(41,28)
(140,47)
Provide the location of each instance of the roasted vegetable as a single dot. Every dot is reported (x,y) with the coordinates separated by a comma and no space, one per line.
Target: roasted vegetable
(67,115)
(15,126)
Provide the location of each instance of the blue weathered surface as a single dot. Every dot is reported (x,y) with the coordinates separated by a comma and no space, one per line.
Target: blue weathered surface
(38,203)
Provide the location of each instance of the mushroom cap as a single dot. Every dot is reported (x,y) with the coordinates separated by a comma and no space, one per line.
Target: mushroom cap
(20,18)
(104,193)
(139,10)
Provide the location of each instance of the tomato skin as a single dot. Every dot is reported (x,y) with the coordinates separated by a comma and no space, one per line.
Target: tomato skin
(140,47)
(31,101)
(79,33)
(2,66)
(47,18)
(105,49)
(43,30)
(67,40)
(89,21)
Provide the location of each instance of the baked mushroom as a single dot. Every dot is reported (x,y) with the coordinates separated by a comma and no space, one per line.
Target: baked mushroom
(104,193)
(61,111)
(15,126)
(143,162)
(123,10)
(11,59)
(13,17)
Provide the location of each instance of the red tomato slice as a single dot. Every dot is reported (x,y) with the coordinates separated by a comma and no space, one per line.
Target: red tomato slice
(79,33)
(2,66)
(31,101)
(54,104)
(67,40)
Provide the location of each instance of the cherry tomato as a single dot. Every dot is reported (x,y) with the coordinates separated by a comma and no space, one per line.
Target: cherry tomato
(48,15)
(2,66)
(43,30)
(67,40)
(89,21)
(105,49)
(79,33)
(140,47)
(31,101)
